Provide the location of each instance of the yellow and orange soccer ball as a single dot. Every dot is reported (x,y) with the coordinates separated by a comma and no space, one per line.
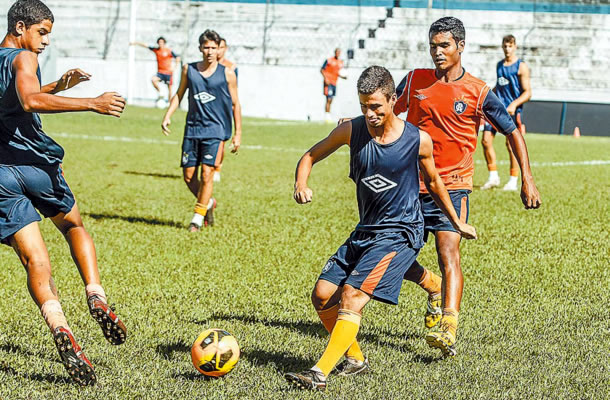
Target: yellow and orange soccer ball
(215,352)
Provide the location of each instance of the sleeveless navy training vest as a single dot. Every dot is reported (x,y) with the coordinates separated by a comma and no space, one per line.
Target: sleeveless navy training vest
(508,87)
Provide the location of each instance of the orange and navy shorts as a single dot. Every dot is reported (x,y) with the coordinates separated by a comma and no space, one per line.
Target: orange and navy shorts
(330,91)
(372,262)
(201,151)
(435,220)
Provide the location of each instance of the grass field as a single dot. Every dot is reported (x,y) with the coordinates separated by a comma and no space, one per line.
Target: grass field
(534,321)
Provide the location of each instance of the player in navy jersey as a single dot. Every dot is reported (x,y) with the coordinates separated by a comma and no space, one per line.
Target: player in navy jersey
(386,154)
(32,179)
(513,88)
(213,102)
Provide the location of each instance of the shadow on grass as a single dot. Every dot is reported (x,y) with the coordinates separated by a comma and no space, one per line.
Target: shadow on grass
(49,378)
(153,174)
(280,361)
(16,349)
(167,350)
(141,220)
(193,376)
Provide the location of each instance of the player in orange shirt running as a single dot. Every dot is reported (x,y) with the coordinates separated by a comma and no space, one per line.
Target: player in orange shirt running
(448,103)
(331,72)
(165,66)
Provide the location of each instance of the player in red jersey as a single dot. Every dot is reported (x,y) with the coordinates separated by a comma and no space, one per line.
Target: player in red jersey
(165,66)
(331,73)
(448,103)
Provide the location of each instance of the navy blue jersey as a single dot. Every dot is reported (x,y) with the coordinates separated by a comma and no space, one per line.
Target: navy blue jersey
(210,105)
(22,141)
(508,87)
(387,182)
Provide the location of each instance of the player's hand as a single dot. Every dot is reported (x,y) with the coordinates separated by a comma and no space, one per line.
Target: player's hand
(342,120)
(109,103)
(71,78)
(529,195)
(165,126)
(511,109)
(467,231)
(236,142)
(302,194)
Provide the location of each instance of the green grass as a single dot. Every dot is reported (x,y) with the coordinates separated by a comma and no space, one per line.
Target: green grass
(534,320)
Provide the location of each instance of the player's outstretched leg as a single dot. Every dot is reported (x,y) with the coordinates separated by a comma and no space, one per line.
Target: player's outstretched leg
(431,283)
(325,299)
(448,251)
(84,256)
(490,156)
(32,252)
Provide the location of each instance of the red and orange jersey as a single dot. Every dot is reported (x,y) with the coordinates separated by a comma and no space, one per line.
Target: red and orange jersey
(164,59)
(330,69)
(450,112)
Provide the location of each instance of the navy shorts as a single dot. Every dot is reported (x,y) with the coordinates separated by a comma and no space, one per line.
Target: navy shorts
(201,151)
(372,262)
(27,188)
(330,91)
(516,119)
(435,220)
(165,78)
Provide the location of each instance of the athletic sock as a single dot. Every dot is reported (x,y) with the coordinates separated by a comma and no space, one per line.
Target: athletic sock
(53,315)
(493,173)
(514,173)
(343,335)
(449,322)
(430,282)
(200,211)
(94,289)
(329,318)
(210,203)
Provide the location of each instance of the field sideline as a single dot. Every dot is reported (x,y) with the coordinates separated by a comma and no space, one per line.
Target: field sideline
(534,321)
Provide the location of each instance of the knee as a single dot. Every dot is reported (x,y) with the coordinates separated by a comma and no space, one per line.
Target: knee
(207,174)
(319,298)
(486,141)
(38,263)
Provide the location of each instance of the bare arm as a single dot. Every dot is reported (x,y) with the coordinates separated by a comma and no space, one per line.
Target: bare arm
(529,193)
(437,189)
(232,83)
(174,103)
(337,138)
(34,99)
(526,95)
(139,44)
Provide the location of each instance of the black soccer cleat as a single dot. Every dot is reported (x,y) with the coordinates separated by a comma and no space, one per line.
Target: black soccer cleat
(307,380)
(113,328)
(78,366)
(349,367)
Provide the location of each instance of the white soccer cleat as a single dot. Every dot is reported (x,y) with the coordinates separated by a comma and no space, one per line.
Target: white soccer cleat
(491,183)
(511,185)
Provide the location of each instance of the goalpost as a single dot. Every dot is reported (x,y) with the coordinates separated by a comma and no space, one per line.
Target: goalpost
(131,57)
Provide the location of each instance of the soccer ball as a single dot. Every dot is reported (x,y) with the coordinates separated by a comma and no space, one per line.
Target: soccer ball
(160,103)
(215,352)
(343,73)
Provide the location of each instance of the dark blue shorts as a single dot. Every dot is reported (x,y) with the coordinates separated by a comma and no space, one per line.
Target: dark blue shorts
(372,262)
(165,78)
(516,119)
(330,91)
(201,151)
(27,188)
(435,220)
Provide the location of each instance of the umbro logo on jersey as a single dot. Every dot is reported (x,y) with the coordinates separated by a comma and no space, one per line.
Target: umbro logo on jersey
(420,97)
(204,97)
(502,81)
(378,183)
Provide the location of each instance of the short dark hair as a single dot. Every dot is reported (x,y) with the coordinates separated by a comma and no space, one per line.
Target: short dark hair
(449,24)
(223,40)
(509,39)
(31,12)
(376,78)
(209,35)
(161,38)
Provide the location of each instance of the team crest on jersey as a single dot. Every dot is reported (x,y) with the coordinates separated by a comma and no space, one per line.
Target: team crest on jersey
(502,81)
(378,183)
(204,97)
(460,105)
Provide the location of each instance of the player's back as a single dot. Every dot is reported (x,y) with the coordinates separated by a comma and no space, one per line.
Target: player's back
(508,86)
(450,112)
(210,104)
(387,181)
(22,141)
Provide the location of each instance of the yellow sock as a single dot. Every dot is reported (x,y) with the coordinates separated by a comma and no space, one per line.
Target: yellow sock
(329,318)
(430,282)
(449,322)
(201,209)
(343,335)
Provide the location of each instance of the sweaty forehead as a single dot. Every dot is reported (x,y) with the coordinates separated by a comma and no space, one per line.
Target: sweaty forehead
(442,37)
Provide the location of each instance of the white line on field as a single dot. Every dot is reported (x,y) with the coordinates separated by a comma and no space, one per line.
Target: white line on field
(137,139)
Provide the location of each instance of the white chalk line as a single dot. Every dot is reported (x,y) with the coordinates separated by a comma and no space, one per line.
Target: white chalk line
(126,139)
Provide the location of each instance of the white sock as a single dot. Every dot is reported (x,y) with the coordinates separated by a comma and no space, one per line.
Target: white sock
(314,368)
(53,315)
(211,202)
(197,219)
(94,289)
(512,179)
(493,175)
